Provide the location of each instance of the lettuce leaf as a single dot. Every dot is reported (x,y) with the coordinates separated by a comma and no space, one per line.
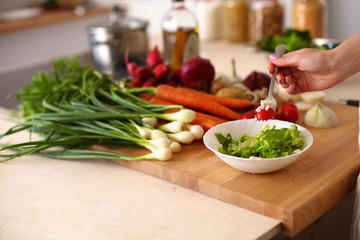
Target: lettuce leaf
(269,143)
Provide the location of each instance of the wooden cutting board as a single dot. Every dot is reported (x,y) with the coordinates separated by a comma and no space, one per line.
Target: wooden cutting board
(296,195)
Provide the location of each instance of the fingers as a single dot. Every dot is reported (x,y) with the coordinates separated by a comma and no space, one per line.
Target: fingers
(287,82)
(271,68)
(286,65)
(284,81)
(291,89)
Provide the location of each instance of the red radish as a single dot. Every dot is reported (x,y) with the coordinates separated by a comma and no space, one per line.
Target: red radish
(175,75)
(197,73)
(136,82)
(154,58)
(162,71)
(153,82)
(171,83)
(143,72)
(131,67)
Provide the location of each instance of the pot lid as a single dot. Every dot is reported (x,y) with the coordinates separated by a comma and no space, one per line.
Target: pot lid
(119,23)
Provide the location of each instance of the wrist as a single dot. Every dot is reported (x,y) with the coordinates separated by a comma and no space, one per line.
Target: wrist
(345,58)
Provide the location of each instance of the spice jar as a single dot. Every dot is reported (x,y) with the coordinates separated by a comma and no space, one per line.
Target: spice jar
(236,20)
(265,18)
(310,15)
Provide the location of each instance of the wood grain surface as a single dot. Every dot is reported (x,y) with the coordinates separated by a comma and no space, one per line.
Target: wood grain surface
(296,195)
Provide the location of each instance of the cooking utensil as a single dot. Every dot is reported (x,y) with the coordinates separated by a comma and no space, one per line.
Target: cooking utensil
(110,40)
(270,100)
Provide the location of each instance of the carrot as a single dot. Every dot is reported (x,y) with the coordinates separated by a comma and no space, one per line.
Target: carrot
(156,100)
(194,101)
(205,123)
(146,96)
(211,117)
(160,101)
(228,102)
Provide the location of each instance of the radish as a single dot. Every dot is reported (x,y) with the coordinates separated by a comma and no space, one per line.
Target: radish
(136,82)
(197,73)
(143,73)
(153,82)
(131,67)
(154,58)
(171,82)
(162,71)
(175,75)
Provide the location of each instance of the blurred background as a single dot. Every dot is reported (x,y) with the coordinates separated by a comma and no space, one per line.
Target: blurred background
(56,40)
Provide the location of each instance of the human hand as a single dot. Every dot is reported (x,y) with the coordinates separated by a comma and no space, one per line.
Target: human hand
(305,70)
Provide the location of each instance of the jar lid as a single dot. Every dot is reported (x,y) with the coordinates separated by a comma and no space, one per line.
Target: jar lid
(118,23)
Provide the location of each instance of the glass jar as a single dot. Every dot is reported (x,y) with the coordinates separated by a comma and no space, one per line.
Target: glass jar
(265,18)
(236,20)
(180,34)
(310,15)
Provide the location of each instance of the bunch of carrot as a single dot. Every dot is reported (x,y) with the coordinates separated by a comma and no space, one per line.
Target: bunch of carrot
(210,109)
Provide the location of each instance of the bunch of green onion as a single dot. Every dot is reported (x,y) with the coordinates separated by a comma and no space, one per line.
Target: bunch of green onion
(76,107)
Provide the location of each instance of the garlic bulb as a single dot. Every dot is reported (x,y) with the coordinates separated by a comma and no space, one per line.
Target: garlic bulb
(321,116)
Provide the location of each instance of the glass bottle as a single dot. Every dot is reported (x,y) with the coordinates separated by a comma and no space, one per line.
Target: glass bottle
(265,18)
(236,20)
(180,35)
(310,15)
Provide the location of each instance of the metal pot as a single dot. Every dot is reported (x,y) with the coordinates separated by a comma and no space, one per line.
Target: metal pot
(110,41)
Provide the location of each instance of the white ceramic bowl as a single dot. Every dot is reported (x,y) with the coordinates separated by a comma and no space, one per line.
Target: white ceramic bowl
(252,127)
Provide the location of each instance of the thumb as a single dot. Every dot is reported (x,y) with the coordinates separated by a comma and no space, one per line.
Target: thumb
(285,61)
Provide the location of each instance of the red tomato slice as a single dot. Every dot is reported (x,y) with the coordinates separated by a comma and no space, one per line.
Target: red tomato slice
(264,113)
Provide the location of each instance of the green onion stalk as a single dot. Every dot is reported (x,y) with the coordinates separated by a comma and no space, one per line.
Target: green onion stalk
(75,107)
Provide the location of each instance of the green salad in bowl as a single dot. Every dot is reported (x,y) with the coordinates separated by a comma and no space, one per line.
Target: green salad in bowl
(258,146)
(269,143)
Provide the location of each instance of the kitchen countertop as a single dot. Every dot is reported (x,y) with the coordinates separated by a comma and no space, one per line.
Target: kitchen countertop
(56,199)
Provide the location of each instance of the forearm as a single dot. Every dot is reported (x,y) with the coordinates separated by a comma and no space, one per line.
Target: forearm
(346,57)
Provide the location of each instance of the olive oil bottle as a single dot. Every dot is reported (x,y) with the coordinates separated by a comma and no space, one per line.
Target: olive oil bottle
(180,35)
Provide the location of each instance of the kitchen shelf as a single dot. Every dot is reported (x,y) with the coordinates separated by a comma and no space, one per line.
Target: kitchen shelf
(49,17)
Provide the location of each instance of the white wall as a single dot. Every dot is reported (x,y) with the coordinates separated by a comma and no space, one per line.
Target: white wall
(344,18)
